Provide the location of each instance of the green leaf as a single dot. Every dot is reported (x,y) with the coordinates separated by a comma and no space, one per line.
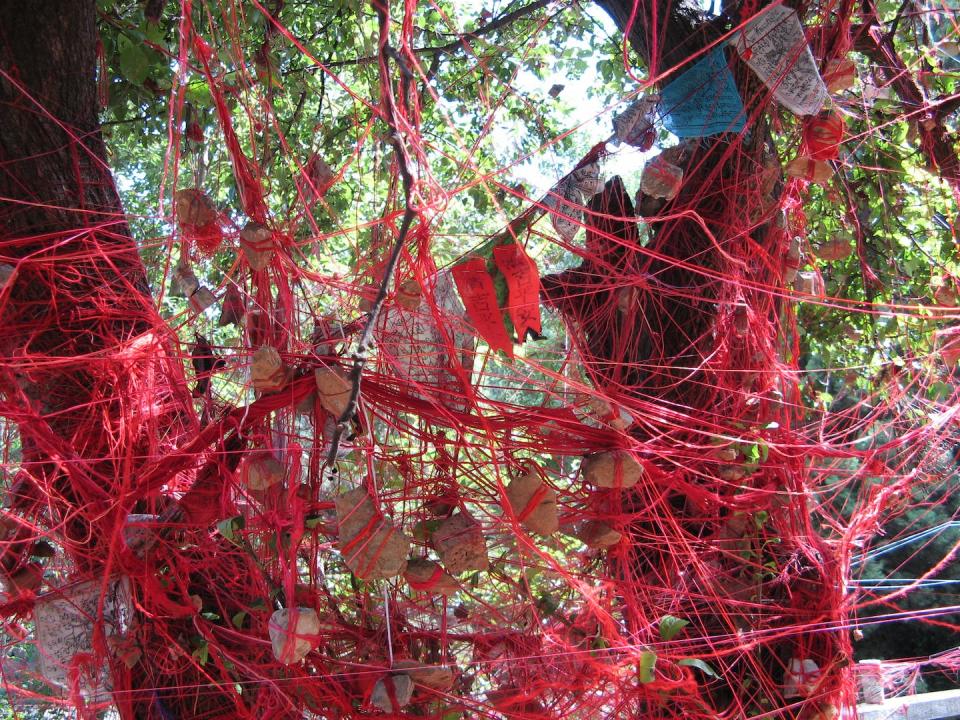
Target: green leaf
(225,528)
(547,605)
(760,518)
(229,527)
(155,33)
(478,194)
(238,619)
(199,94)
(939,391)
(202,653)
(670,626)
(648,661)
(700,665)
(425,528)
(134,64)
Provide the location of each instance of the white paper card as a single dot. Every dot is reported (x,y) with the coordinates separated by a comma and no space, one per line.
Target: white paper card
(565,202)
(433,362)
(588,180)
(775,48)
(632,124)
(64,621)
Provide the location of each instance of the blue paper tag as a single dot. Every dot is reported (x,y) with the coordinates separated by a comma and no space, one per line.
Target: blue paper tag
(703,100)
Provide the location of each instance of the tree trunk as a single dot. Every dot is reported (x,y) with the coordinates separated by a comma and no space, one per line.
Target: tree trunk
(82,343)
(92,379)
(675,357)
(89,378)
(54,175)
(88,375)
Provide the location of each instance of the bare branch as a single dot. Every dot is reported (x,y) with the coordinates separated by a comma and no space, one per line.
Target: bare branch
(390,114)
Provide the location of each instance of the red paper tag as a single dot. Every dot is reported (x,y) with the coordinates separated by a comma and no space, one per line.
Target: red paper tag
(823,136)
(480,299)
(523,282)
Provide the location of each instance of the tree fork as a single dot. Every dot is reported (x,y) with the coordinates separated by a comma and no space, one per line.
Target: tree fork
(666,331)
(89,374)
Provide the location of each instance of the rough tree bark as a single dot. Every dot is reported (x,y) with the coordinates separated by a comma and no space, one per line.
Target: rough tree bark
(89,376)
(78,308)
(77,314)
(662,355)
(93,381)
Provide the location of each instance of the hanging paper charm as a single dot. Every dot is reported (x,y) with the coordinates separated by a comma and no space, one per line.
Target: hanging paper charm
(661,179)
(703,100)
(565,203)
(523,284)
(316,179)
(839,75)
(822,136)
(480,299)
(198,219)
(775,48)
(587,179)
(634,126)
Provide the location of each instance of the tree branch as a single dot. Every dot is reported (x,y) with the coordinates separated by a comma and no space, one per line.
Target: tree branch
(937,144)
(390,116)
(460,42)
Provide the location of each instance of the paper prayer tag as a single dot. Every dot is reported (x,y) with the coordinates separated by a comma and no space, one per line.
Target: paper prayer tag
(65,620)
(775,48)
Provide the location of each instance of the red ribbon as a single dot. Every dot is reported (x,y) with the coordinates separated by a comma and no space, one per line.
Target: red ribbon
(480,300)
(523,282)
(244,171)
